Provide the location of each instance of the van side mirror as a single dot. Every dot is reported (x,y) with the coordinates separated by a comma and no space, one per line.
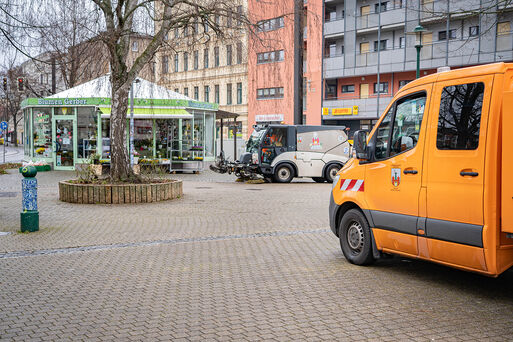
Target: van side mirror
(360,145)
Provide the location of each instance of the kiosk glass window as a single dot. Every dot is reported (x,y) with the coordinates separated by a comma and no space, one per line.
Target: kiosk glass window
(143,138)
(63,111)
(163,135)
(42,132)
(199,133)
(105,138)
(209,135)
(87,124)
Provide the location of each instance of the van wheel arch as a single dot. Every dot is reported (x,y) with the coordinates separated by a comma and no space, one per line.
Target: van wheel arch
(345,207)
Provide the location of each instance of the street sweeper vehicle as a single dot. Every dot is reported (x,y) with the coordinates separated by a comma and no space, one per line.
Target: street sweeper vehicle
(281,152)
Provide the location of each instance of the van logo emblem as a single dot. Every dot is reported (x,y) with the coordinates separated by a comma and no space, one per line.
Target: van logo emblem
(396,177)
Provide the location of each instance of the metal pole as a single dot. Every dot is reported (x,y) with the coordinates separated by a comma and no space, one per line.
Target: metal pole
(379,60)
(234,139)
(132,126)
(447,29)
(418,47)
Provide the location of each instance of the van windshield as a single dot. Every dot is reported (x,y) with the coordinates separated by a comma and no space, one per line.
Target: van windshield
(254,141)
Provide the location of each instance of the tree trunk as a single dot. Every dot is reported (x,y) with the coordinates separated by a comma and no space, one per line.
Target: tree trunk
(119,159)
(15,131)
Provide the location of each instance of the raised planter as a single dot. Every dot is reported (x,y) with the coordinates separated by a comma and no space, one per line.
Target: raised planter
(119,194)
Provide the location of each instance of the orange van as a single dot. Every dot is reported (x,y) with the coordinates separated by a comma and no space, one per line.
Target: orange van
(434,178)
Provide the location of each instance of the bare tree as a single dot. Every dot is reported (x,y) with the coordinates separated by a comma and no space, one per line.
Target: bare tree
(113,22)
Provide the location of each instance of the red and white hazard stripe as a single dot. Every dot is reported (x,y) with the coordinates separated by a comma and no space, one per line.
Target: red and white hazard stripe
(351,184)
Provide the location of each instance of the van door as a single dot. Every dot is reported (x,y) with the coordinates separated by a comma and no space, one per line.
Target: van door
(394,173)
(455,168)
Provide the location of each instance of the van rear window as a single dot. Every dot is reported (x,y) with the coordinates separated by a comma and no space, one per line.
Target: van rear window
(460,117)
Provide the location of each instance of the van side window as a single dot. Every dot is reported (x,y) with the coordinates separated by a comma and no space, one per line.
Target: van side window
(460,117)
(382,136)
(408,118)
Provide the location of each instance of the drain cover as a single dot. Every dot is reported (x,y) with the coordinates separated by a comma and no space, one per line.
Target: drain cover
(4,233)
(203,187)
(254,189)
(7,194)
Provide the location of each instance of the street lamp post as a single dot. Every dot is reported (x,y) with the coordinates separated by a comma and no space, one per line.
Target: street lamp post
(418,45)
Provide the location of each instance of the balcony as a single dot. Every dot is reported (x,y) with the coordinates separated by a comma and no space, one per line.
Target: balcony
(436,9)
(390,17)
(334,28)
(334,66)
(387,57)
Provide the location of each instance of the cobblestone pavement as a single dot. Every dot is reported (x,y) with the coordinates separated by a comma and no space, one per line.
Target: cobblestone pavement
(227,261)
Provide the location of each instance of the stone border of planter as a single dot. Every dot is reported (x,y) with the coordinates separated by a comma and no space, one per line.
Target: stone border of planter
(119,194)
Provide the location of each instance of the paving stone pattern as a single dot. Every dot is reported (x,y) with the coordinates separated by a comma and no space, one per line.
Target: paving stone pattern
(223,263)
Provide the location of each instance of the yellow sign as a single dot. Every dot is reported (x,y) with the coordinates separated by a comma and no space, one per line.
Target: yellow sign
(342,111)
(325,111)
(355,110)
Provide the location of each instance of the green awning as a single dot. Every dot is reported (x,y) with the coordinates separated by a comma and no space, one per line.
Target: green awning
(152,113)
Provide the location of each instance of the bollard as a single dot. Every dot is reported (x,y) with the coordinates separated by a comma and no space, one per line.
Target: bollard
(29,215)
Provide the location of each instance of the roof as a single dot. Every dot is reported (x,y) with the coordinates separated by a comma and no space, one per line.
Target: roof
(101,87)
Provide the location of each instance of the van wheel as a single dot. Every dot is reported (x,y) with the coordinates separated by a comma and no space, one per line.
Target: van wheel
(318,179)
(355,238)
(283,174)
(331,172)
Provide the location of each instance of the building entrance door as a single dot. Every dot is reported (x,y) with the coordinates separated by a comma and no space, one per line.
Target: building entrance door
(64,144)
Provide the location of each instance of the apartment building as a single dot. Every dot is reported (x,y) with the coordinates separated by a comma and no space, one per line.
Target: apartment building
(211,70)
(367,40)
(273,52)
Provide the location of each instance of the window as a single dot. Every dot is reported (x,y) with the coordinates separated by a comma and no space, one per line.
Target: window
(402,83)
(239,15)
(384,6)
(217,19)
(207,94)
(196,60)
(165,64)
(195,27)
(383,88)
(185,31)
(216,56)
(407,121)
(228,55)
(402,42)
(135,46)
(271,24)
(205,26)
(270,56)
(239,93)
(229,19)
(503,28)
(460,117)
(216,93)
(331,89)
(229,94)
(330,50)
(177,33)
(177,90)
(196,93)
(442,35)
(382,45)
(270,93)
(348,88)
(205,58)
(382,135)
(239,53)
(176,62)
(473,31)
(186,91)
(185,61)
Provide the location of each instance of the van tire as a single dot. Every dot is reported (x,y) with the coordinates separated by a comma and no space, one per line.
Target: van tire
(331,171)
(319,179)
(283,173)
(355,238)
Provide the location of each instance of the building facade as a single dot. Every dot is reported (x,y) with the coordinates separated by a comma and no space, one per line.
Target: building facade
(273,52)
(197,63)
(365,40)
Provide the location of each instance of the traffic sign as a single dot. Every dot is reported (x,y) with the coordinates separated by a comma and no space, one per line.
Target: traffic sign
(3,125)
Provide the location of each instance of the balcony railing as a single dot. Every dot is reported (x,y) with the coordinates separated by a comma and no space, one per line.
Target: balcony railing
(394,14)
